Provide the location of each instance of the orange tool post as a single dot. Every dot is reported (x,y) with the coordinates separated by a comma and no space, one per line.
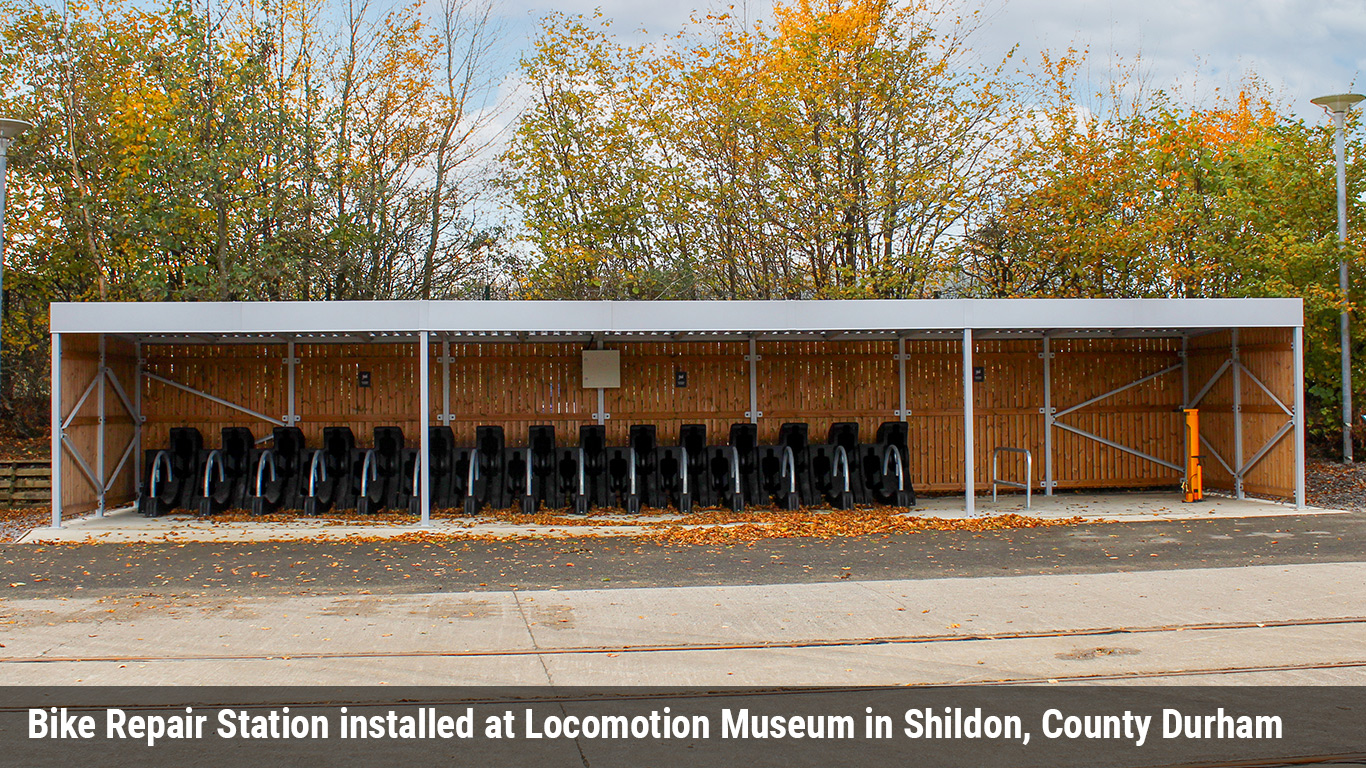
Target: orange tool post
(1194,486)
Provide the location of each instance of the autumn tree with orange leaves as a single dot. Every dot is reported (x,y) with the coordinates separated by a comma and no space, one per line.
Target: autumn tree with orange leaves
(828,154)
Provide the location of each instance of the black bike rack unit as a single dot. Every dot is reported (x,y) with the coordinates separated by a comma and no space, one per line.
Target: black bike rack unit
(783,474)
(226,472)
(332,474)
(885,467)
(441,459)
(673,468)
(479,474)
(641,486)
(530,471)
(381,472)
(744,439)
(582,471)
(170,474)
(832,468)
(277,474)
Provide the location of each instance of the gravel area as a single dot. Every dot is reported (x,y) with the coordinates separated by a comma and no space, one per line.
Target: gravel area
(1332,485)
(19,521)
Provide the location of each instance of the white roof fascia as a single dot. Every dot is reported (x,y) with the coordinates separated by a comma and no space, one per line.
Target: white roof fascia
(290,317)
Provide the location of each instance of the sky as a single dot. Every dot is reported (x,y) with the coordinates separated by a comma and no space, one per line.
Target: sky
(1299,48)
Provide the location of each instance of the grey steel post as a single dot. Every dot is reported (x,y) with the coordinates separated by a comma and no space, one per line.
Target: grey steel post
(56,387)
(290,362)
(601,416)
(969,470)
(137,418)
(1237,370)
(1047,417)
(753,357)
(99,432)
(424,407)
(902,412)
(445,417)
(1298,353)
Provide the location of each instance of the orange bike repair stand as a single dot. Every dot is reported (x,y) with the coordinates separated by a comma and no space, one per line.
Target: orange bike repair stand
(1193,489)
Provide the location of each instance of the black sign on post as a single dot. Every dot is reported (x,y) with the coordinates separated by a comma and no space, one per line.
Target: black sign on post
(979,373)
(363,378)
(680,378)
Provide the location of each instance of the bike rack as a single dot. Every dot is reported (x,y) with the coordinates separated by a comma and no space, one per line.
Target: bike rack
(737,499)
(369,470)
(684,499)
(846,497)
(214,459)
(1029,473)
(319,463)
(789,469)
(471,477)
(162,457)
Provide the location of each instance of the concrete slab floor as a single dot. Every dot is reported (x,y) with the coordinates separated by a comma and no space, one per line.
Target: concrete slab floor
(125,526)
(1280,623)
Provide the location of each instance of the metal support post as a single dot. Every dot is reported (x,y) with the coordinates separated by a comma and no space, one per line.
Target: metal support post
(969,470)
(1297,351)
(424,408)
(1185,372)
(903,413)
(137,418)
(601,416)
(99,432)
(1237,370)
(1047,417)
(753,413)
(290,362)
(445,417)
(56,386)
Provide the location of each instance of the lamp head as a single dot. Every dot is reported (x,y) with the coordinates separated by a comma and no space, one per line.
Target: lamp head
(1339,102)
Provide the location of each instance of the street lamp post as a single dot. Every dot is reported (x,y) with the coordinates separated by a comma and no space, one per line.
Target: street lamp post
(9,129)
(1339,104)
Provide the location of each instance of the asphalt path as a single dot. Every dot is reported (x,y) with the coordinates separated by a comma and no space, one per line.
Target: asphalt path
(452,565)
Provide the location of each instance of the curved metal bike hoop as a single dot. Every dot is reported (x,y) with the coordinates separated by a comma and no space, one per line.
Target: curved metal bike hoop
(735,467)
(319,462)
(417,475)
(886,457)
(162,457)
(267,458)
(215,458)
(473,473)
(581,457)
(790,468)
(842,457)
(632,470)
(369,470)
(683,468)
(528,470)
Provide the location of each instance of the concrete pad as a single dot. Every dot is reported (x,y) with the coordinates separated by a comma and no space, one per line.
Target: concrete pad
(826,633)
(126,526)
(951,663)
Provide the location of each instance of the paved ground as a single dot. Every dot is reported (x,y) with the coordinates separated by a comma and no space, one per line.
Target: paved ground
(326,568)
(1296,623)
(1263,600)
(125,526)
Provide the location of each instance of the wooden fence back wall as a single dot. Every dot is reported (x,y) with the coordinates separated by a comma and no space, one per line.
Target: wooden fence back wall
(80,366)
(518,385)
(1267,355)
